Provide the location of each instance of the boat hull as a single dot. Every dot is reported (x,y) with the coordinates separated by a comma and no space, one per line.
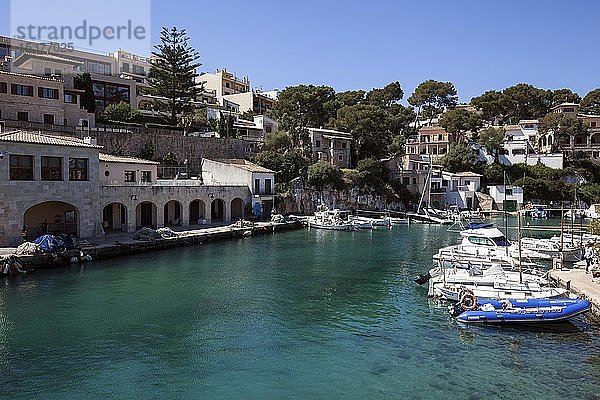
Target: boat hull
(525,312)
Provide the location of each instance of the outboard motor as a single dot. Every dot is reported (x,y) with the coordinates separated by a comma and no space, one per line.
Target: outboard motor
(423,278)
(455,310)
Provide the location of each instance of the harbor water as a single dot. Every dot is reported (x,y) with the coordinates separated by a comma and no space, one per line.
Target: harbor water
(298,315)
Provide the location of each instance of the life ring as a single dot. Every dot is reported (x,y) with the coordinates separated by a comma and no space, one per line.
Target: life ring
(105,224)
(467,300)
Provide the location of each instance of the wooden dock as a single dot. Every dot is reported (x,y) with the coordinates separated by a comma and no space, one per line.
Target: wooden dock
(579,283)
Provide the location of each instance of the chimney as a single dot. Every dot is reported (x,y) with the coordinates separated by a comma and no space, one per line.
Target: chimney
(90,140)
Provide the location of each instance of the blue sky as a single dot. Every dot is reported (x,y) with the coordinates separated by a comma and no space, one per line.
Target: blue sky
(477,45)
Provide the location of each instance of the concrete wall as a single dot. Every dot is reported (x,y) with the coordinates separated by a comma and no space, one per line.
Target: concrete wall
(16,197)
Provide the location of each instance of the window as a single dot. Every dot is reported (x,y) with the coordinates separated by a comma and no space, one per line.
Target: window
(344,145)
(78,169)
(146,176)
(405,181)
(268,186)
(22,116)
(467,183)
(592,124)
(21,90)
(3,88)
(129,176)
(52,169)
(49,119)
(98,68)
(414,181)
(58,72)
(227,84)
(268,129)
(47,93)
(317,143)
(139,70)
(509,192)
(47,71)
(440,136)
(257,186)
(21,168)
(125,67)
(70,98)
(340,157)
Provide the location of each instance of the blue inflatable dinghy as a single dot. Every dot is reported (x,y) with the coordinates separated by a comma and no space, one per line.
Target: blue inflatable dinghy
(517,311)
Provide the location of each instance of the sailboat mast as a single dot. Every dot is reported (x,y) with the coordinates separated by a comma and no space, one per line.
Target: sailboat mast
(505,215)
(519,242)
(562,225)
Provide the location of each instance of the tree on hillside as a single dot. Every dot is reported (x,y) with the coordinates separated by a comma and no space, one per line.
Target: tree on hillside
(459,158)
(524,101)
(591,103)
(301,107)
(390,94)
(287,164)
(120,112)
(323,174)
(349,98)
(432,97)
(492,139)
(565,128)
(491,104)
(87,99)
(370,129)
(459,121)
(564,96)
(278,141)
(173,74)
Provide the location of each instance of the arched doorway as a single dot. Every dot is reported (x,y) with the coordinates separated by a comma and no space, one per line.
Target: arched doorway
(114,217)
(237,208)
(596,138)
(197,212)
(54,217)
(172,213)
(145,215)
(217,210)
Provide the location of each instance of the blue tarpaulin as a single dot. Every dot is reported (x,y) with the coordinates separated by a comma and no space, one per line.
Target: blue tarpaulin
(52,244)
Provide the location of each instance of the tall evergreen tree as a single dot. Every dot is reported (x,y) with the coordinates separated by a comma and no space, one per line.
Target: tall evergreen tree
(173,74)
(84,82)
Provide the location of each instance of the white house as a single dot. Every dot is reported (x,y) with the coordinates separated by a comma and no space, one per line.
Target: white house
(507,197)
(460,189)
(237,172)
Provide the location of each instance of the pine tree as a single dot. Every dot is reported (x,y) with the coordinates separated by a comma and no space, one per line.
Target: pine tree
(84,82)
(172,74)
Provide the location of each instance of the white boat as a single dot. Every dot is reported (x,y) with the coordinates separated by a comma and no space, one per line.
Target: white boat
(499,290)
(488,244)
(383,221)
(330,220)
(592,212)
(494,283)
(570,253)
(399,221)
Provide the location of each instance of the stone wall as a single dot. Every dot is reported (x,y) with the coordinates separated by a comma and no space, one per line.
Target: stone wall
(133,142)
(304,200)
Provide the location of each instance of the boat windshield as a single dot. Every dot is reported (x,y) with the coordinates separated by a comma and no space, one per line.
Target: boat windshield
(501,241)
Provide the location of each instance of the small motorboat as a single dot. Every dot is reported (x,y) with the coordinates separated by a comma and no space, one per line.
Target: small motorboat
(471,310)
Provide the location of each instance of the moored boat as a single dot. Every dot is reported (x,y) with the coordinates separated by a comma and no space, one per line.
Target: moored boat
(514,311)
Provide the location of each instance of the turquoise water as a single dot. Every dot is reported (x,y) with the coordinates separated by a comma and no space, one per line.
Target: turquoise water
(297,315)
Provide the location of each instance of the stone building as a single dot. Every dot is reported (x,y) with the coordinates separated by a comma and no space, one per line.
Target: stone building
(47,184)
(259,181)
(59,184)
(41,100)
(331,146)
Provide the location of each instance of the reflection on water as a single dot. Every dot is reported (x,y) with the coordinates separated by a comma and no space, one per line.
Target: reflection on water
(306,314)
